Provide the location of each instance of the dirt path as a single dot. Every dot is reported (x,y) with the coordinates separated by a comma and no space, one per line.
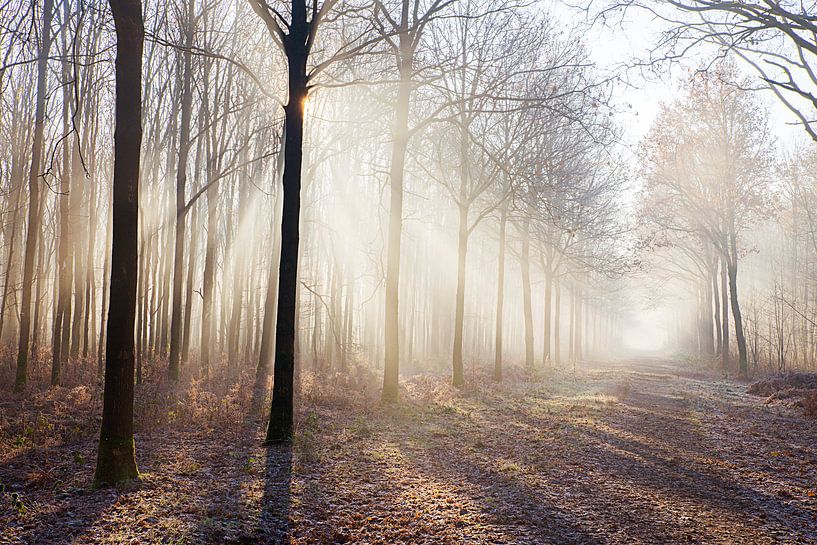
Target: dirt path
(623,454)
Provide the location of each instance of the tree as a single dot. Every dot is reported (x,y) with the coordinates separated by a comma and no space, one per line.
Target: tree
(34,219)
(295,38)
(707,171)
(116,456)
(774,37)
(409,29)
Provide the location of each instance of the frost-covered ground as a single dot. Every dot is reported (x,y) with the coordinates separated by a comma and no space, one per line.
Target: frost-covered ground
(618,454)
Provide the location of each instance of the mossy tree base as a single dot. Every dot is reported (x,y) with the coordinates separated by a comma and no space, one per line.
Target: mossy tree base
(115,463)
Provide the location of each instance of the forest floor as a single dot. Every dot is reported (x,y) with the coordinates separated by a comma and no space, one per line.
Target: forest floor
(643,452)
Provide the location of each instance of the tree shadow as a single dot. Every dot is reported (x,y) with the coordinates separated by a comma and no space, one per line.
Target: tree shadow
(274,522)
(60,503)
(521,510)
(229,509)
(659,462)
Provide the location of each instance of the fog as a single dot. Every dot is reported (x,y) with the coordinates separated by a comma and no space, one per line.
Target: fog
(479,186)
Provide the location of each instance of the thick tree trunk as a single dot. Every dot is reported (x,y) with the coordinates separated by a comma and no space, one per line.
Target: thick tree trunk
(282,406)
(33,234)
(116,457)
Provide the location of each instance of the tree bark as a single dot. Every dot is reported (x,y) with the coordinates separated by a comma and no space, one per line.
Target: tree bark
(743,365)
(391,367)
(724,317)
(63,301)
(458,378)
(116,456)
(181,182)
(282,406)
(32,237)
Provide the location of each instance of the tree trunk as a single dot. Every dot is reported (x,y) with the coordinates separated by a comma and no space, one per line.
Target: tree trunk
(282,406)
(724,317)
(548,314)
(209,277)
(265,350)
(557,317)
(116,457)
(716,316)
(733,293)
(32,236)
(500,294)
(90,283)
(524,263)
(181,182)
(100,347)
(459,314)
(188,299)
(63,289)
(391,367)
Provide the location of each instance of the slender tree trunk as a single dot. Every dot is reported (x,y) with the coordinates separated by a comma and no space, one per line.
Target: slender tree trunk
(282,407)
(181,182)
(577,351)
(90,284)
(270,302)
(116,457)
(64,291)
(500,294)
(733,293)
(524,262)
(209,278)
(459,314)
(724,317)
(557,317)
(106,271)
(391,367)
(548,314)
(34,199)
(717,311)
(709,326)
(188,300)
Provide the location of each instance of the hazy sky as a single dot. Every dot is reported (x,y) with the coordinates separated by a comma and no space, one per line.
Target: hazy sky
(616,46)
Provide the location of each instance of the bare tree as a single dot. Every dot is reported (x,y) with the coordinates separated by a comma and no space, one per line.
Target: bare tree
(116,456)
